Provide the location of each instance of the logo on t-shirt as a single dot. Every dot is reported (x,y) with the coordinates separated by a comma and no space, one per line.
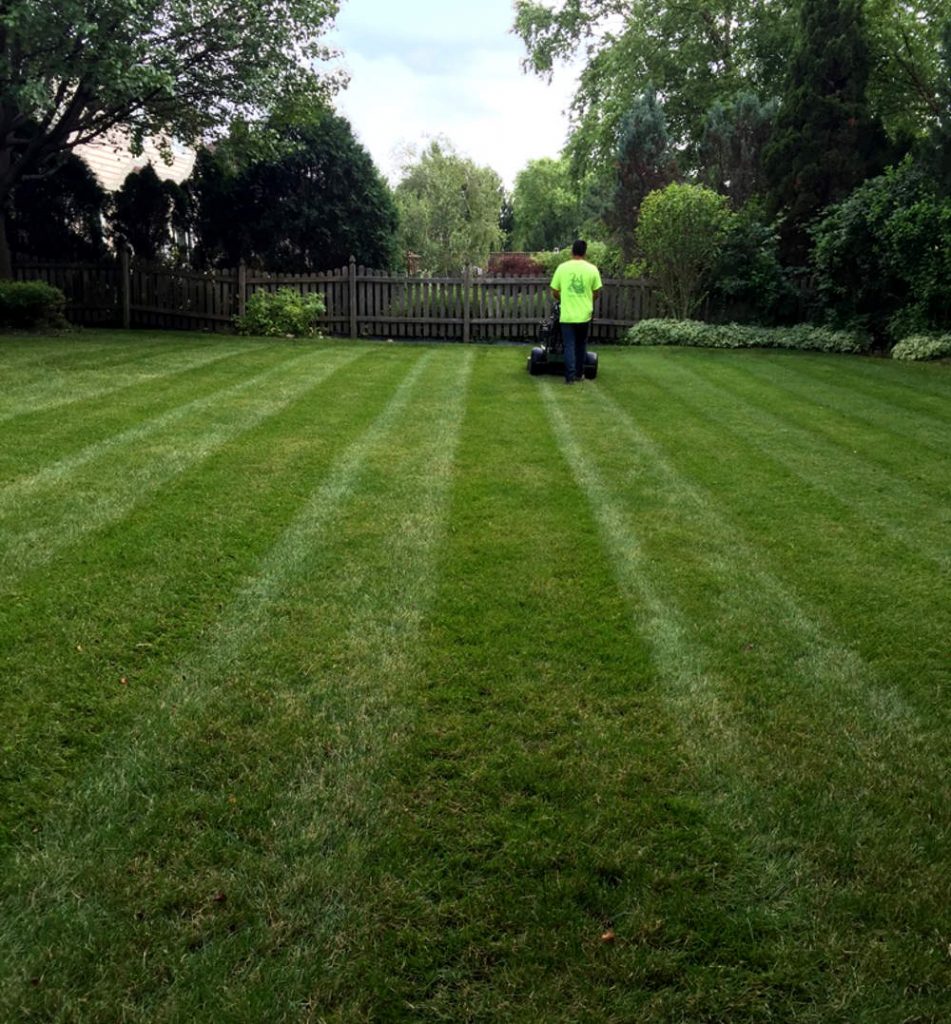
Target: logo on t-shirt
(577,285)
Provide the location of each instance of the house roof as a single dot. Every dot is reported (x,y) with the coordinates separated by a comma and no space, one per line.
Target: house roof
(111,160)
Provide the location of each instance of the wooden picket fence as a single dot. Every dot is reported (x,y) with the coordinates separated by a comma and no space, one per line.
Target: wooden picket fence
(360,302)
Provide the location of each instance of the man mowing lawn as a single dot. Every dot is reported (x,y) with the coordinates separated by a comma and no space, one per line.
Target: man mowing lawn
(575,285)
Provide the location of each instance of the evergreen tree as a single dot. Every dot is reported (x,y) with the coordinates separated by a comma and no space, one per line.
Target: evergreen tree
(59,215)
(644,162)
(143,213)
(826,142)
(309,207)
(734,137)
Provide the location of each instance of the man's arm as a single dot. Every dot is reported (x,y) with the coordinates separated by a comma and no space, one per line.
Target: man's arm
(556,295)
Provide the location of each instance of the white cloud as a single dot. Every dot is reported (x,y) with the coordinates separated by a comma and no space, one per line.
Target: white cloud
(428,68)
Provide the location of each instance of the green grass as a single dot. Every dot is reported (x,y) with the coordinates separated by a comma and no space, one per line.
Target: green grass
(352,682)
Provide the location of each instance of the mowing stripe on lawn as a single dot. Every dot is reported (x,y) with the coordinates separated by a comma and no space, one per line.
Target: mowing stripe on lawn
(309,810)
(760,754)
(828,465)
(330,812)
(915,404)
(56,474)
(916,381)
(128,601)
(691,688)
(517,819)
(81,386)
(50,352)
(100,505)
(833,673)
(847,570)
(829,408)
(32,442)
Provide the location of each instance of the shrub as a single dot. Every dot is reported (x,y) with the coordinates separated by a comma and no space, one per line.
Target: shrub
(747,281)
(31,306)
(694,333)
(923,346)
(680,231)
(608,260)
(281,314)
(883,256)
(515,264)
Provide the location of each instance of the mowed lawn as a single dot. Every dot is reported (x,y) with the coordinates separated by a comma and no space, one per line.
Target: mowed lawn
(351,682)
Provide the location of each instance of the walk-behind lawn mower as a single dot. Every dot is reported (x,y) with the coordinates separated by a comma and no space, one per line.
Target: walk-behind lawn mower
(548,355)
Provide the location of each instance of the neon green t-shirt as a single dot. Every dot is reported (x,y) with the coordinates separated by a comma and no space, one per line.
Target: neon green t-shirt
(576,280)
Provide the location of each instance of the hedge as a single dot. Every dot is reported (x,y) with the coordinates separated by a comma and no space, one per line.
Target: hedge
(694,333)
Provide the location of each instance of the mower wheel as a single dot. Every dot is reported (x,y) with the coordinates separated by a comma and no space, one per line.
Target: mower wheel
(591,365)
(537,361)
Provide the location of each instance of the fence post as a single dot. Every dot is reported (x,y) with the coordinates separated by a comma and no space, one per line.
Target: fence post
(466,281)
(125,297)
(353,296)
(242,287)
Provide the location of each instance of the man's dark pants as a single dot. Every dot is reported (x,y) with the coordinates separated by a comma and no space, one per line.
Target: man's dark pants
(575,337)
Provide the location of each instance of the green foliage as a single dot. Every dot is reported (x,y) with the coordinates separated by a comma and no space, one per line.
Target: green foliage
(643,162)
(695,334)
(826,141)
(143,213)
(748,281)
(923,346)
(31,306)
(883,256)
(909,70)
(680,233)
(310,206)
(284,313)
(735,133)
(694,54)
(934,151)
(545,206)
(609,260)
(59,216)
(449,210)
(71,71)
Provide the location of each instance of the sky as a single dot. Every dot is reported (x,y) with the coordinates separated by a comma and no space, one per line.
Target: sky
(421,69)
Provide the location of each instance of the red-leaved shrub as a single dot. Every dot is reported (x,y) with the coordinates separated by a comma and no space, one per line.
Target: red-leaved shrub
(514,264)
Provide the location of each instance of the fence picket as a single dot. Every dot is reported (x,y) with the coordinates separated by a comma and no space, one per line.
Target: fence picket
(359,300)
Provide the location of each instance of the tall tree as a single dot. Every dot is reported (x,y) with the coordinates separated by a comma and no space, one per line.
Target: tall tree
(643,162)
(59,216)
(449,209)
(735,135)
(693,54)
(144,211)
(70,71)
(826,141)
(545,208)
(905,46)
(935,150)
(309,207)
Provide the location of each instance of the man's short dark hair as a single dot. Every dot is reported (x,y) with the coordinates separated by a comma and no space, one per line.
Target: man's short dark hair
(579,247)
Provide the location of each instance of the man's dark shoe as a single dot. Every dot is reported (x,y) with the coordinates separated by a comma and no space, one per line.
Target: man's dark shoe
(568,380)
